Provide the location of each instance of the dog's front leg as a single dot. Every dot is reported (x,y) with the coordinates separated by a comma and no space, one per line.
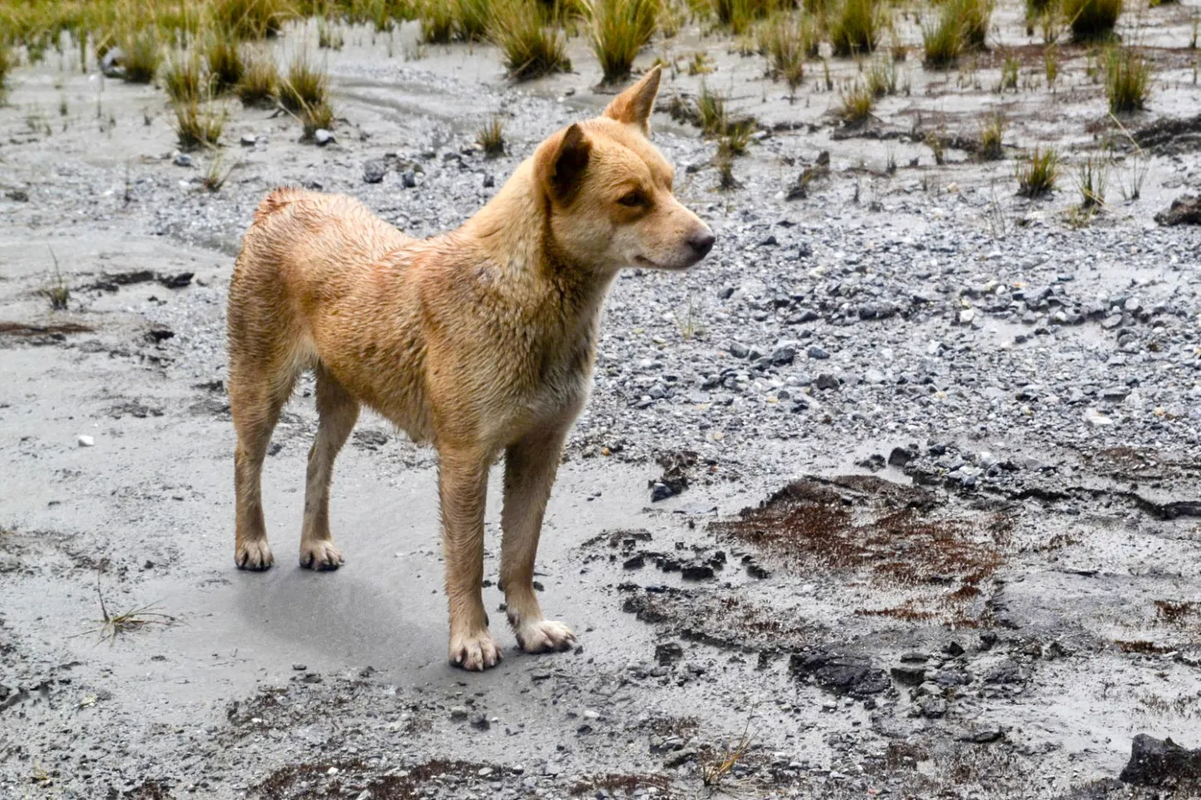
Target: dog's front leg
(462,486)
(530,467)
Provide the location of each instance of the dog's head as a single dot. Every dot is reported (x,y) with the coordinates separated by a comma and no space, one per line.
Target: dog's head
(610,191)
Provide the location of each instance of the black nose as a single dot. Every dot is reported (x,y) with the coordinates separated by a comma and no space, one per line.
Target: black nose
(701,243)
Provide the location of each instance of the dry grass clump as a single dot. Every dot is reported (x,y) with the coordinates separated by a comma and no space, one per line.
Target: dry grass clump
(786,40)
(8,62)
(259,85)
(316,117)
(740,15)
(183,79)
(1092,177)
(1127,80)
(225,64)
(619,29)
(855,27)
(197,124)
(471,19)
(250,19)
(962,25)
(881,77)
(142,54)
(1092,20)
(531,47)
(1038,173)
(856,104)
(437,18)
(991,131)
(491,138)
(974,16)
(306,85)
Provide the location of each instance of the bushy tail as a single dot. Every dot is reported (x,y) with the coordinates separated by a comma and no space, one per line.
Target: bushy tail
(276,200)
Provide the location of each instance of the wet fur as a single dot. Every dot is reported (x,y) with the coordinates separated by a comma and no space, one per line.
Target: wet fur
(480,341)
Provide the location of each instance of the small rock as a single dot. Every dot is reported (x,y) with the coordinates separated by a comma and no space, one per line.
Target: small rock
(738,350)
(696,572)
(182,160)
(110,65)
(819,353)
(85,441)
(323,137)
(827,381)
(249,139)
(660,491)
(479,721)
(783,354)
(458,713)
(1156,762)
(900,456)
(408,179)
(374,171)
(1185,210)
(668,653)
(489,180)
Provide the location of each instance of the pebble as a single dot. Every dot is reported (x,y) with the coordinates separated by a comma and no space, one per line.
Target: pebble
(323,137)
(408,179)
(85,441)
(249,140)
(374,171)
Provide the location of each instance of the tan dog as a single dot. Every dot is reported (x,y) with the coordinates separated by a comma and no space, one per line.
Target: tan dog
(480,341)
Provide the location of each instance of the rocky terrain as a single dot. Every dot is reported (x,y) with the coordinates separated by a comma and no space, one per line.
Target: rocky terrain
(895,494)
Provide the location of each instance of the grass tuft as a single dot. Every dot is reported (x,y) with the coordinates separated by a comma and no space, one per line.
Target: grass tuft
(786,40)
(620,28)
(306,86)
(471,19)
(1038,173)
(1127,80)
(1092,176)
(437,18)
(225,63)
(8,62)
(531,47)
(142,55)
(183,79)
(1092,20)
(991,131)
(856,104)
(197,124)
(259,85)
(250,19)
(491,138)
(855,27)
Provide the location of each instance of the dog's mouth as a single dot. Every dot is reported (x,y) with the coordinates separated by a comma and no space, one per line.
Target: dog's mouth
(643,261)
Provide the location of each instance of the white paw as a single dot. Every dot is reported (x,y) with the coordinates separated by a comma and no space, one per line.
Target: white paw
(320,555)
(254,555)
(544,636)
(474,651)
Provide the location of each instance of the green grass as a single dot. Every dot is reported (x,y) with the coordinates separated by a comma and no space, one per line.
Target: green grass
(1127,80)
(786,40)
(259,85)
(471,19)
(530,46)
(974,18)
(184,79)
(739,15)
(491,138)
(991,131)
(856,103)
(1038,174)
(197,124)
(1092,20)
(711,112)
(1092,176)
(8,62)
(881,77)
(943,40)
(437,18)
(250,19)
(225,65)
(142,55)
(1009,74)
(855,27)
(305,86)
(316,117)
(619,30)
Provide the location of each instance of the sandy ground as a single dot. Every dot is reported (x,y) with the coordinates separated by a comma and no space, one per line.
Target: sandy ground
(982,580)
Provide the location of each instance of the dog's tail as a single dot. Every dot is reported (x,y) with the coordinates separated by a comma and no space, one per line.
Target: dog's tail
(278,199)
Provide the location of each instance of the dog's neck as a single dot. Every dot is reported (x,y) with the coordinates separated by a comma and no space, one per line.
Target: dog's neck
(514,230)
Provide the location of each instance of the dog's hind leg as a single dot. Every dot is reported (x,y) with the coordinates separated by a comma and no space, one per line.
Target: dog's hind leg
(462,487)
(530,467)
(338,411)
(255,401)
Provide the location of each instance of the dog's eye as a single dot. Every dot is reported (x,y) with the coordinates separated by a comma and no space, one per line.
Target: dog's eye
(632,199)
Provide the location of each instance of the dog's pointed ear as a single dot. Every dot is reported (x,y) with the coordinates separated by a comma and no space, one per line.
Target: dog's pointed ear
(562,162)
(634,105)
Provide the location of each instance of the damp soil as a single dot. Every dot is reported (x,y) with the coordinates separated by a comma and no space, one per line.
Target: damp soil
(804,558)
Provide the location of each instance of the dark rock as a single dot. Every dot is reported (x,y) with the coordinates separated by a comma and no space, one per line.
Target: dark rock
(696,572)
(408,179)
(176,281)
(668,653)
(1185,210)
(954,649)
(374,171)
(111,64)
(1006,671)
(908,675)
(1156,762)
(479,721)
(900,456)
(660,491)
(819,353)
(840,674)
(489,180)
(738,350)
(827,381)
(637,562)
(784,354)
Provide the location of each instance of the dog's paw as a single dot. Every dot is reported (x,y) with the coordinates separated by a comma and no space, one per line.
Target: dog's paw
(475,651)
(544,636)
(254,555)
(320,555)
